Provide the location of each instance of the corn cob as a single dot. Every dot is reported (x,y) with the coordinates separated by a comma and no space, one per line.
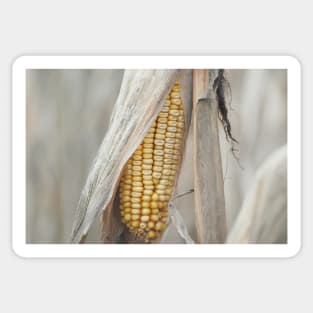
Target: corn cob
(149,176)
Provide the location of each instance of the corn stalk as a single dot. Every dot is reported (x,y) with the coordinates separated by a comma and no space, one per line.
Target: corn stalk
(208,184)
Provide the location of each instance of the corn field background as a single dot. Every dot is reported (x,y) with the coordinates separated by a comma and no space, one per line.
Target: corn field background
(67,116)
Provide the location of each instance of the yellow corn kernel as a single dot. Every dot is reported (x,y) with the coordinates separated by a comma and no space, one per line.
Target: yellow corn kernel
(148,145)
(135,217)
(155,218)
(125,199)
(135,211)
(151,234)
(136,205)
(145,204)
(151,187)
(162,114)
(135,224)
(127,217)
(157,175)
(143,225)
(154,205)
(159,142)
(148,140)
(135,200)
(137,189)
(147,150)
(158,163)
(146,166)
(151,225)
(160,131)
(157,159)
(136,194)
(145,218)
(147,161)
(161,121)
(146,212)
(159,226)
(148,192)
(155,197)
(126,205)
(163,125)
(161,191)
(170,140)
(160,136)
(164,198)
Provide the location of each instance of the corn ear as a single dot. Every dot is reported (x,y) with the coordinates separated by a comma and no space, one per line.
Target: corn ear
(150,174)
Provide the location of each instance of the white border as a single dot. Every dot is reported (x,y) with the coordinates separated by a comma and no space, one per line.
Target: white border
(165,250)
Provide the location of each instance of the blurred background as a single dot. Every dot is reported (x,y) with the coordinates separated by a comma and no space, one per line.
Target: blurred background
(68,112)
